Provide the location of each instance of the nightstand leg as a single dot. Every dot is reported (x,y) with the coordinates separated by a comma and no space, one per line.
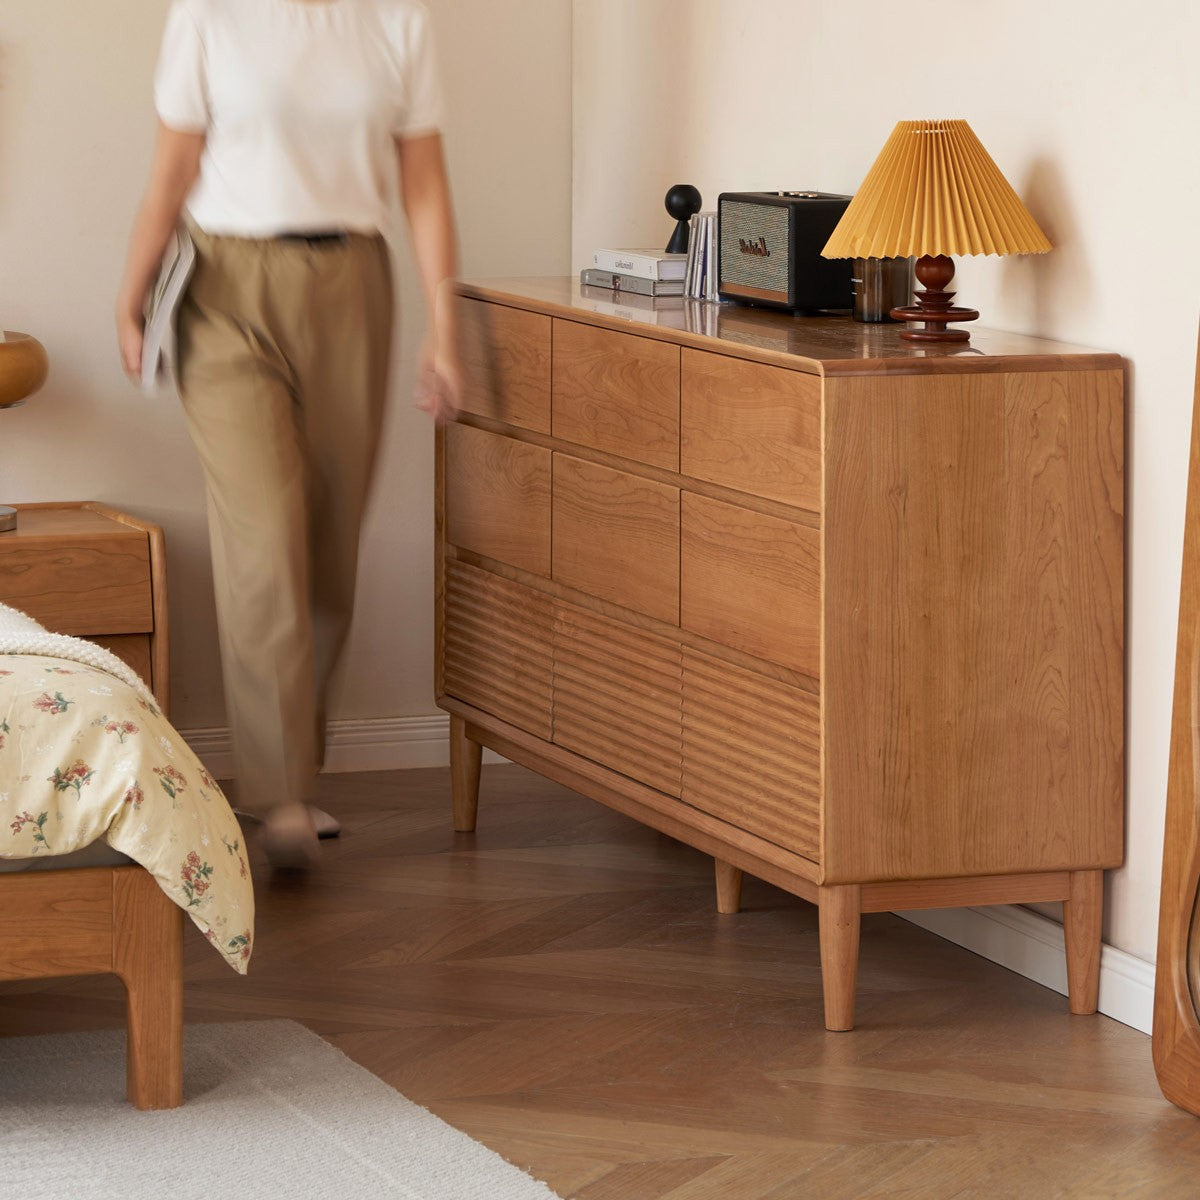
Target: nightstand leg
(729,887)
(840,913)
(1082,915)
(465,757)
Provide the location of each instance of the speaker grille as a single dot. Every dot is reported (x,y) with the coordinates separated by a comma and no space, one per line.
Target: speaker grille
(754,225)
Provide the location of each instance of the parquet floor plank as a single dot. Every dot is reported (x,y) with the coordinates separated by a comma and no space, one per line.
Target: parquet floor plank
(559,986)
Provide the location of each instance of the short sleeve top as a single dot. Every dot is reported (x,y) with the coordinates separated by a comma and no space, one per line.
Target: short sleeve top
(300,102)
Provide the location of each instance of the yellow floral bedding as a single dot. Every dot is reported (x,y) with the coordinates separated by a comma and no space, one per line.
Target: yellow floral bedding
(87,755)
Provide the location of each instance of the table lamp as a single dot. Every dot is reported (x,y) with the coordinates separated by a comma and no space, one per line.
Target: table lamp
(933,192)
(23,369)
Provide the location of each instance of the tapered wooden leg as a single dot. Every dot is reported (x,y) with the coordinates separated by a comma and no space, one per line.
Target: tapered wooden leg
(148,956)
(840,915)
(729,887)
(465,757)
(1082,915)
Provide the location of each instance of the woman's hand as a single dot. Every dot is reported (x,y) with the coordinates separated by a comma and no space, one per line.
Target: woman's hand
(440,382)
(131,330)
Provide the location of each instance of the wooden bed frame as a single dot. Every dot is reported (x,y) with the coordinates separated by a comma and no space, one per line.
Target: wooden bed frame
(99,921)
(1176,1024)
(109,920)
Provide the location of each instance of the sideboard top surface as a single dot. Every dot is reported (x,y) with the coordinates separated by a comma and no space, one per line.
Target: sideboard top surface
(831,345)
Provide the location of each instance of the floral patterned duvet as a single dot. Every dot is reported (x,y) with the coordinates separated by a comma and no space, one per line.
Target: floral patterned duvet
(85,754)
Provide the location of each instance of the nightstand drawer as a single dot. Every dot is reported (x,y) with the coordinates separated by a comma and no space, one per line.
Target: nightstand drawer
(617,393)
(80,580)
(751,427)
(751,581)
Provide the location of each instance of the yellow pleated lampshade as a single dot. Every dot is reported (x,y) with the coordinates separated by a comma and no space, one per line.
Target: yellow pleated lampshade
(934,190)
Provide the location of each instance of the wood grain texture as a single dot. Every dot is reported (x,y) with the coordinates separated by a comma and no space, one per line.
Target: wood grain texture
(559,987)
(629,796)
(616,536)
(1038,888)
(133,649)
(498,497)
(617,696)
(751,581)
(56,923)
(751,752)
(466,758)
(506,364)
(753,428)
(974,660)
(828,346)
(497,647)
(840,923)
(147,930)
(78,572)
(1083,911)
(728,880)
(1176,1038)
(597,373)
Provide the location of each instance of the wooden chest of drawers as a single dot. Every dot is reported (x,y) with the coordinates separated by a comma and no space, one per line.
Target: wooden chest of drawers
(841,613)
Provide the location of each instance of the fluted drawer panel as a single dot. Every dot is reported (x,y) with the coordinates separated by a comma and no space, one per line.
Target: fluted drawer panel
(617,696)
(497,647)
(751,752)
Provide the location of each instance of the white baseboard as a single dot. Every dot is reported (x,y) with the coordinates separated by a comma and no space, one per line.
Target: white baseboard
(1023,941)
(1032,945)
(385,744)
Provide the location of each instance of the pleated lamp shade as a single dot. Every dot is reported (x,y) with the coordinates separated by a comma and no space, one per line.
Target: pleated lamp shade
(934,191)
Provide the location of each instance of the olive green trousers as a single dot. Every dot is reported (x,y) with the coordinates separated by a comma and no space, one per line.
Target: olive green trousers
(283,365)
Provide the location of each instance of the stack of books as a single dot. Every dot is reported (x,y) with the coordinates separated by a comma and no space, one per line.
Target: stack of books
(700,275)
(642,272)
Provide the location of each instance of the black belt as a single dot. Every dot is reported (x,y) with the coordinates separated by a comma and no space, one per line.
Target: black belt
(316,239)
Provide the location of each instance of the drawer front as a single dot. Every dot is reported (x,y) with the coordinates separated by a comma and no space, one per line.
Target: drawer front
(751,752)
(506,364)
(498,497)
(496,651)
(617,392)
(617,696)
(616,536)
(95,585)
(751,582)
(753,428)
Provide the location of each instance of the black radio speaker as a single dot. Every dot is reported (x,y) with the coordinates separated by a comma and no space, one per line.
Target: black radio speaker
(770,247)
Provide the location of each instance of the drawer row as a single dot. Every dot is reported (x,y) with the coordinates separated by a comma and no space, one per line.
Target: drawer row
(742,578)
(724,740)
(741,425)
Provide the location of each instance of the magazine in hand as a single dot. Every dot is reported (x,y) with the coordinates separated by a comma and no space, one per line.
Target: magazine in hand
(158,344)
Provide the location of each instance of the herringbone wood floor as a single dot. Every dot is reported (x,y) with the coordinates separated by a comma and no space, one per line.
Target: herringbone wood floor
(559,986)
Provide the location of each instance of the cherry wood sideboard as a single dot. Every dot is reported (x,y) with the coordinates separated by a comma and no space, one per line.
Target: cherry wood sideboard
(840,612)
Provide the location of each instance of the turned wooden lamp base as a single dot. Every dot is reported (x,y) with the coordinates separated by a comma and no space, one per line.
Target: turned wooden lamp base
(934,272)
(23,369)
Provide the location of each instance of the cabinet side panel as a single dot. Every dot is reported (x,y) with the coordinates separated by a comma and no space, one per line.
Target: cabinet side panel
(973,674)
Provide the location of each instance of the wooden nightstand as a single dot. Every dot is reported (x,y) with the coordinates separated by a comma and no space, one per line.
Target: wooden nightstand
(93,572)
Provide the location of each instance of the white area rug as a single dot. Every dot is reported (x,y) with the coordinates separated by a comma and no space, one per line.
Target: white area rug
(270,1111)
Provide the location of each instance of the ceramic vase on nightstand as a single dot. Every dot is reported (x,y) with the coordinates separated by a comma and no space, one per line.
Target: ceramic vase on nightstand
(23,369)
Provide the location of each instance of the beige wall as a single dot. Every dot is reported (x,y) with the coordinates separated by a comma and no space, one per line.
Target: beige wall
(1092,111)
(76,126)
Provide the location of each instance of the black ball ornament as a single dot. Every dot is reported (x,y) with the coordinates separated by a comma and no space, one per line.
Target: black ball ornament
(682,202)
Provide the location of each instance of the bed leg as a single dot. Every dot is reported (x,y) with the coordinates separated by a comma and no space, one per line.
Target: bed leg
(148,956)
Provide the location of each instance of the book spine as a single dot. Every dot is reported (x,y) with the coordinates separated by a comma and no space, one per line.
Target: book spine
(642,265)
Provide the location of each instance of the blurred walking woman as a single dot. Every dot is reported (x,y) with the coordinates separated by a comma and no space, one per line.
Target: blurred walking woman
(282,124)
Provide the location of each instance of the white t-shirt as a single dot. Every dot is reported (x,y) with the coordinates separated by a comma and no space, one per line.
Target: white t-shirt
(300,102)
